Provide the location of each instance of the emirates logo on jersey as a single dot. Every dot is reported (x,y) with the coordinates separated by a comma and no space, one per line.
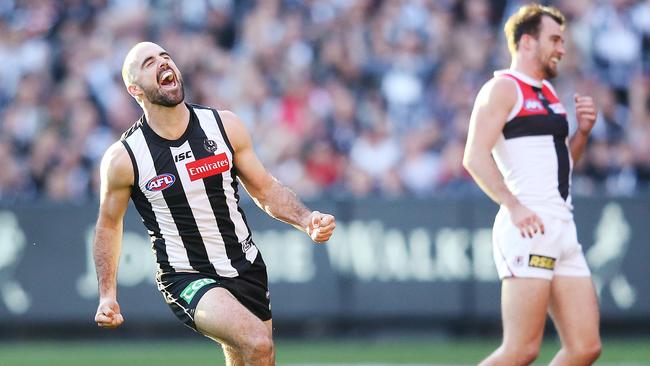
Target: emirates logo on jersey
(208,167)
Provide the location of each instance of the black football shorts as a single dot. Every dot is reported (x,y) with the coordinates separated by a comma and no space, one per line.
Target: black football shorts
(182,290)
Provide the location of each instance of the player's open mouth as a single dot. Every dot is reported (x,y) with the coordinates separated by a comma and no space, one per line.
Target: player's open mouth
(167,78)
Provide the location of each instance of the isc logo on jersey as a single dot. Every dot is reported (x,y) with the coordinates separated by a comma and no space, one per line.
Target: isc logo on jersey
(208,167)
(533,105)
(160,182)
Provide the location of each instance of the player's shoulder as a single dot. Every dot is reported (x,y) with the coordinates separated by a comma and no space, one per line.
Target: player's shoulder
(231,122)
(226,116)
(501,84)
(116,163)
(235,129)
(500,90)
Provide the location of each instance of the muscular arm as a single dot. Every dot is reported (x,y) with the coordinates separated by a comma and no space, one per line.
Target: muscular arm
(491,109)
(116,180)
(493,104)
(268,193)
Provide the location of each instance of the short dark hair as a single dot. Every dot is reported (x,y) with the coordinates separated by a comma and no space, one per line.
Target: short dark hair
(527,20)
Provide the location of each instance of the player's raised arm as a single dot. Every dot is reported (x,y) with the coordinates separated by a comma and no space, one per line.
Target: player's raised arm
(116,180)
(268,193)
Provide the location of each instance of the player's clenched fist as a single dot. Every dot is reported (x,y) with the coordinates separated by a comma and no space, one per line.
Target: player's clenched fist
(321,226)
(108,314)
(585,112)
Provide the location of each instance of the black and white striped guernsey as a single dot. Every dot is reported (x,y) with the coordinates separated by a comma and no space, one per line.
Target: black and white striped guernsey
(187,194)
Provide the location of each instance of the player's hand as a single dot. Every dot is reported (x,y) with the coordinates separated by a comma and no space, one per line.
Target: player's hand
(585,113)
(321,226)
(526,221)
(108,314)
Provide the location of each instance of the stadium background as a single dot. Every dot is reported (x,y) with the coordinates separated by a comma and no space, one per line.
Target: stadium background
(362,108)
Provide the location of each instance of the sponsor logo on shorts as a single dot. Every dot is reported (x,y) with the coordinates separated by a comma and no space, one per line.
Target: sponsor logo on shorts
(208,167)
(540,261)
(194,287)
(160,182)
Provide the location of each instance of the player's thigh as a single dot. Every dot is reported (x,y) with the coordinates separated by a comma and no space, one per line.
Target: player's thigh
(219,315)
(524,257)
(524,303)
(574,309)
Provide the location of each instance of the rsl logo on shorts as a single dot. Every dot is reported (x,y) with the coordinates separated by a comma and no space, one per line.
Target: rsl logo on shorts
(540,261)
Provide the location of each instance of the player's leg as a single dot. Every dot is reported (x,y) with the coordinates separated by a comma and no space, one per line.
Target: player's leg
(232,356)
(524,303)
(574,309)
(219,315)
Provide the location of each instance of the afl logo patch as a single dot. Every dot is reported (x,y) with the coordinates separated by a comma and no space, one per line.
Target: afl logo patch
(160,182)
(210,145)
(533,105)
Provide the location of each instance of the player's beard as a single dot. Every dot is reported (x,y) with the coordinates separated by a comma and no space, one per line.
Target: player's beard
(549,71)
(166,98)
(547,68)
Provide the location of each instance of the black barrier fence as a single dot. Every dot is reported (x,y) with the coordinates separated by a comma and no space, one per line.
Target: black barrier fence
(421,260)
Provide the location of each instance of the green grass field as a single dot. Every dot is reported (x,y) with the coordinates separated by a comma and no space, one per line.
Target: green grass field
(338,352)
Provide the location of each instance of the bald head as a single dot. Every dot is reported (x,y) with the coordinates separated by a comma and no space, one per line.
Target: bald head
(151,76)
(135,57)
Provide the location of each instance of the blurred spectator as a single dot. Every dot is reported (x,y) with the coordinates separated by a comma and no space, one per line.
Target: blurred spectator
(345,98)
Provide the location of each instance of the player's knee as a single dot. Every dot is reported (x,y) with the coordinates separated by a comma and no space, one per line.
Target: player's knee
(585,353)
(522,355)
(260,348)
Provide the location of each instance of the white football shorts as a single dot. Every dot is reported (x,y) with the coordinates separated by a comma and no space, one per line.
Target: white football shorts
(557,252)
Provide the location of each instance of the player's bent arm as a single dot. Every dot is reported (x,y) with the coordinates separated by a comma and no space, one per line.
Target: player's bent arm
(491,108)
(268,193)
(117,177)
(577,145)
(586,113)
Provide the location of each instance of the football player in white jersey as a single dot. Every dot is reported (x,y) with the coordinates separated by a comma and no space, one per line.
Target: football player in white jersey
(516,149)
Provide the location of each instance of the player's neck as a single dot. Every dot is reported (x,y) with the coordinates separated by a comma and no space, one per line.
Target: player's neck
(527,68)
(168,122)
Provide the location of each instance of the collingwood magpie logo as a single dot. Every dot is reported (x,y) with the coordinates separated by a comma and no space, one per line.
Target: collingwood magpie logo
(210,145)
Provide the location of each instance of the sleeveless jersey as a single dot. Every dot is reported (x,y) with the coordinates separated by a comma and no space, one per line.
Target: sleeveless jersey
(532,154)
(187,194)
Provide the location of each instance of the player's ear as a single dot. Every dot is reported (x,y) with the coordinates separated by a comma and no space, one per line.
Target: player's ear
(134,90)
(525,42)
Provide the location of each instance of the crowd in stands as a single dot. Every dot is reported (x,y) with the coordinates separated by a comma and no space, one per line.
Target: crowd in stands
(343,98)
